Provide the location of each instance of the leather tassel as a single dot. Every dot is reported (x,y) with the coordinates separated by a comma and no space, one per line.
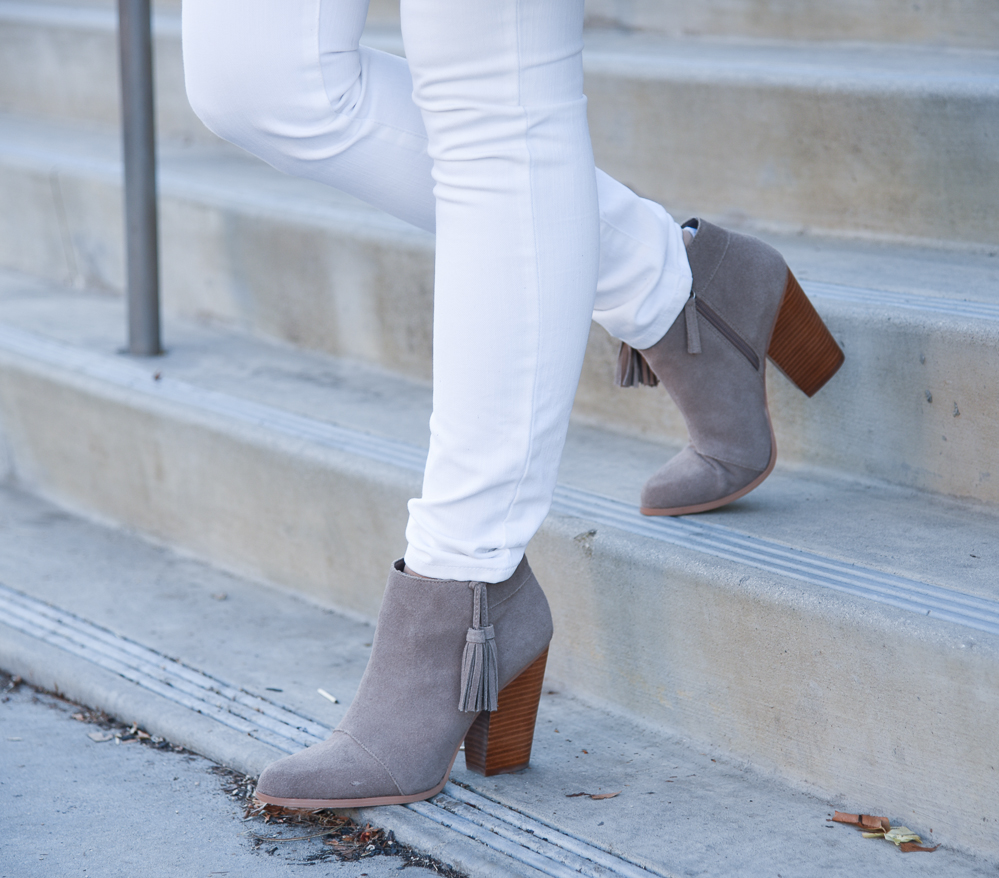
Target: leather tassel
(479,665)
(479,677)
(633,369)
(693,331)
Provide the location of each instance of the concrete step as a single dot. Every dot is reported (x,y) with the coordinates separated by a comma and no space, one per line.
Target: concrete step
(61,61)
(858,138)
(966,23)
(843,634)
(286,258)
(134,629)
(972,23)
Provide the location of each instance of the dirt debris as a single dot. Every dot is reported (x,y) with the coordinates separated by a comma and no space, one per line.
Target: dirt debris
(902,837)
(336,837)
(342,838)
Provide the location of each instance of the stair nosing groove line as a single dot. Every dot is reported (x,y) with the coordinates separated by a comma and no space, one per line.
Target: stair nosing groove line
(829,568)
(498,843)
(114,652)
(913,596)
(570,863)
(719,541)
(873,297)
(538,828)
(499,828)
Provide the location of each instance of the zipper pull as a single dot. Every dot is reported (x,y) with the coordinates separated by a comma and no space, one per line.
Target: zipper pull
(693,332)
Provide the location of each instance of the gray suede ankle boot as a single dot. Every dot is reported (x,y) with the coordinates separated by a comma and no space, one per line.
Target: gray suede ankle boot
(745,305)
(450,661)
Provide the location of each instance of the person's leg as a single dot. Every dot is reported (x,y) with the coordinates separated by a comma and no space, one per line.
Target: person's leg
(499,85)
(288,82)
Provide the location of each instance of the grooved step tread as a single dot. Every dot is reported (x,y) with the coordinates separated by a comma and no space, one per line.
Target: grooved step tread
(717,625)
(71,584)
(846,137)
(895,534)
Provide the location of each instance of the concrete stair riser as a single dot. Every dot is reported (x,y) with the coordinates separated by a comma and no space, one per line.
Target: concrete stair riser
(344,287)
(875,159)
(831,142)
(817,686)
(258,505)
(365,291)
(69,69)
(33,229)
(334,287)
(953,23)
(873,705)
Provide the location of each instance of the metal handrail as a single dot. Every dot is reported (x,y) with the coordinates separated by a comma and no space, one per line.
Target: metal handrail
(139,142)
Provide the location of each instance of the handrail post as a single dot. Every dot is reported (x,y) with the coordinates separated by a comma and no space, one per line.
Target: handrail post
(139,148)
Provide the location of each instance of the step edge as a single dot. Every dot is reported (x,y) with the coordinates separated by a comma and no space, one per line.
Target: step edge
(503,843)
(365,223)
(903,593)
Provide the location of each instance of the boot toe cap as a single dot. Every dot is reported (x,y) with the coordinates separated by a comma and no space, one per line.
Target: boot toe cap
(691,482)
(337,769)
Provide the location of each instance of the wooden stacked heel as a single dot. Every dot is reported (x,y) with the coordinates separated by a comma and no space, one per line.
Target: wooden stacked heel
(801,346)
(499,742)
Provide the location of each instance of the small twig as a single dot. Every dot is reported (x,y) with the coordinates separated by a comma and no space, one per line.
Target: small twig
(295,838)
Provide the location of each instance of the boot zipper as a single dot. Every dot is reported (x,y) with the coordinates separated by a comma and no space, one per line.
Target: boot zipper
(709,314)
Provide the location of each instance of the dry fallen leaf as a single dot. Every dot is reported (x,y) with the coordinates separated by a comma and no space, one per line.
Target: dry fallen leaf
(879,827)
(100,737)
(593,795)
(863,821)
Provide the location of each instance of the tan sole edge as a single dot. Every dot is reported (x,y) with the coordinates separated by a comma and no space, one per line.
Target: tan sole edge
(722,501)
(319,804)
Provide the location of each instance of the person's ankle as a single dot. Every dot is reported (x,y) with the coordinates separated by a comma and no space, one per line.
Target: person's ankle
(688,236)
(407,569)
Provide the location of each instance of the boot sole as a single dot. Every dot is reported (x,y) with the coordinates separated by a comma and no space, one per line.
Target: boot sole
(496,743)
(319,804)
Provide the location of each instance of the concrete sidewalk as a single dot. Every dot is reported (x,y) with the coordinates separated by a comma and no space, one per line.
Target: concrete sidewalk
(74,804)
(230,668)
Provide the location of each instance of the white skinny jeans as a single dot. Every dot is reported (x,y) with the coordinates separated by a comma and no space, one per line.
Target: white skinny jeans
(480,134)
